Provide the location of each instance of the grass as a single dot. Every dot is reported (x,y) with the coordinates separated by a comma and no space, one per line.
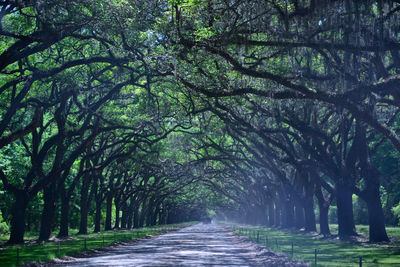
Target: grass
(78,243)
(329,252)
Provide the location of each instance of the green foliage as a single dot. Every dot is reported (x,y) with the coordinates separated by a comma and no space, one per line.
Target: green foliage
(4,229)
(14,162)
(197,106)
(396,211)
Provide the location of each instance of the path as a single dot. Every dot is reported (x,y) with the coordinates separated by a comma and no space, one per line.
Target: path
(198,245)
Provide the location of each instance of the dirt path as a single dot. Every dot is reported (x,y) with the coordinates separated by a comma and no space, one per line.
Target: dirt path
(198,245)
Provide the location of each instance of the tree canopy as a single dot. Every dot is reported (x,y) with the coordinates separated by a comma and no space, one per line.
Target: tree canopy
(124,113)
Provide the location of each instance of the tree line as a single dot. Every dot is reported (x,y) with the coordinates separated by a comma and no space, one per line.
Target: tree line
(82,122)
(146,112)
(307,93)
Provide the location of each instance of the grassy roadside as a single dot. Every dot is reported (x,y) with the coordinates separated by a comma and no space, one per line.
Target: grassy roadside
(75,244)
(329,252)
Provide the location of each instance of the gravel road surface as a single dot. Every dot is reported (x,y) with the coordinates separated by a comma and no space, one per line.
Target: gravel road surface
(197,245)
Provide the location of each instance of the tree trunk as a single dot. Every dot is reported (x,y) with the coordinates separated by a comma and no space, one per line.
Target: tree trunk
(150,212)
(377,230)
(155,215)
(64,216)
(142,215)
(323,206)
(136,216)
(117,210)
(84,206)
(160,217)
(65,197)
(277,214)
(169,216)
(28,225)
(124,216)
(129,216)
(97,218)
(345,211)
(250,215)
(299,212)
(163,216)
(129,220)
(247,216)
(130,212)
(109,199)
(264,215)
(309,214)
(289,214)
(271,214)
(49,209)
(371,194)
(18,213)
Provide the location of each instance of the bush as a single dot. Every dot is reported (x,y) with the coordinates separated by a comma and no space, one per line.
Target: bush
(396,211)
(4,229)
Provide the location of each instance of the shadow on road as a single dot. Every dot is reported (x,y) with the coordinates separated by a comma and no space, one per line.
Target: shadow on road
(197,245)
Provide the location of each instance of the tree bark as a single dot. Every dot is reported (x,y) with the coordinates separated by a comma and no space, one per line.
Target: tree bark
(64,219)
(289,214)
(28,225)
(150,212)
(169,216)
(117,203)
(97,219)
(65,196)
(109,200)
(309,213)
(142,214)
(18,214)
(130,213)
(263,214)
(377,230)
(299,213)
(323,206)
(49,209)
(163,215)
(371,194)
(155,215)
(124,217)
(271,214)
(136,216)
(277,214)
(84,206)
(345,210)
(129,220)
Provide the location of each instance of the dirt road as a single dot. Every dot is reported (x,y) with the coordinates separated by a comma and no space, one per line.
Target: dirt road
(198,245)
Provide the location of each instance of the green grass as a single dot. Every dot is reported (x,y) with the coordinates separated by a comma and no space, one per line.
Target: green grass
(49,250)
(330,252)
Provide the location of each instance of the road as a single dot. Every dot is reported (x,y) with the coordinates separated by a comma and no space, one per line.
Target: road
(197,245)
